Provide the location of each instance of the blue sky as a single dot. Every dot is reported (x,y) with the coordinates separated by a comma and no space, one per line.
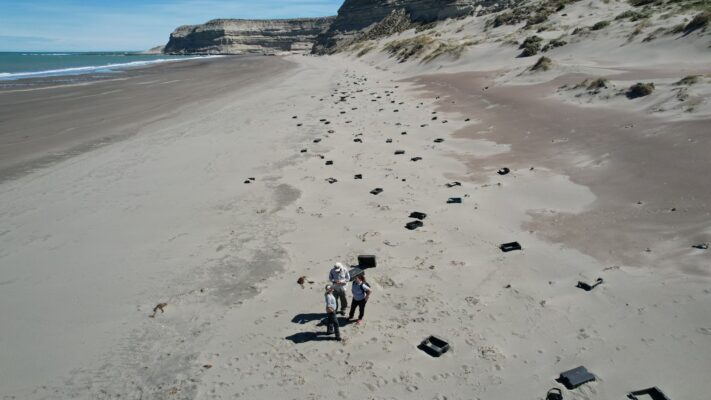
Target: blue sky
(92,25)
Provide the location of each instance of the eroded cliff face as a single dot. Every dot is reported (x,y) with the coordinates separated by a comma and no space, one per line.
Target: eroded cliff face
(356,17)
(238,36)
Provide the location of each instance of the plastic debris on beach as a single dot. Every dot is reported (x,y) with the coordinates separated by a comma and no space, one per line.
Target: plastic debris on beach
(575,377)
(414,225)
(434,346)
(586,287)
(366,261)
(506,247)
(418,215)
(652,393)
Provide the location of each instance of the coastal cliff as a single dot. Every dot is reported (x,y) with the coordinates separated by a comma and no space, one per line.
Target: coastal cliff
(239,36)
(357,17)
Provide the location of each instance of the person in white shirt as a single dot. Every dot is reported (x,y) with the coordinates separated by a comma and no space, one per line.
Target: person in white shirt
(331,320)
(339,277)
(361,293)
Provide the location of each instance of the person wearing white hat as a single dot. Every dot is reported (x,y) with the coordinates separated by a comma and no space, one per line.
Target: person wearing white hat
(331,320)
(339,277)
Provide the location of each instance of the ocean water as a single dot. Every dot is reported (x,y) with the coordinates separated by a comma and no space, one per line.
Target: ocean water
(22,65)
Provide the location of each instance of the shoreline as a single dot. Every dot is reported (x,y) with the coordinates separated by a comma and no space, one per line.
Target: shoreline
(86,72)
(103,111)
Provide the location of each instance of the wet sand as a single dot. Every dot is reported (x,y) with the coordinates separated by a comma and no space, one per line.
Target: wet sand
(42,123)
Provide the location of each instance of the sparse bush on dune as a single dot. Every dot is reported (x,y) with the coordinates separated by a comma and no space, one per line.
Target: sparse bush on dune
(543,64)
(531,46)
(553,44)
(700,21)
(415,47)
(532,14)
(677,28)
(689,80)
(639,90)
(597,84)
(580,30)
(653,35)
(639,28)
(365,50)
(452,49)
(404,49)
(600,25)
(634,15)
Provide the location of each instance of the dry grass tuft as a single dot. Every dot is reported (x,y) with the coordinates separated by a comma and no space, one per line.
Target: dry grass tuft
(404,49)
(543,64)
(689,80)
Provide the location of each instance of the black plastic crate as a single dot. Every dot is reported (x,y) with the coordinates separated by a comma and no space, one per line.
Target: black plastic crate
(414,225)
(434,346)
(652,393)
(418,215)
(506,247)
(355,272)
(366,261)
(575,377)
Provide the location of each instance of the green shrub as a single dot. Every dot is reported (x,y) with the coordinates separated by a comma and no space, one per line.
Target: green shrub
(700,21)
(600,25)
(640,90)
(634,15)
(506,18)
(553,44)
(531,46)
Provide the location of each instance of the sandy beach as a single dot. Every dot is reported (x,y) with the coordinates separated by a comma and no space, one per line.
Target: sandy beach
(209,192)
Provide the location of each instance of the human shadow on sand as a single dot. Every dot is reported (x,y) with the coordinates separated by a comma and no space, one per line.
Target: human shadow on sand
(308,317)
(303,337)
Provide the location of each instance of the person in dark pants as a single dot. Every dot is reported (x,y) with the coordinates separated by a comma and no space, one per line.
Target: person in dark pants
(361,293)
(331,319)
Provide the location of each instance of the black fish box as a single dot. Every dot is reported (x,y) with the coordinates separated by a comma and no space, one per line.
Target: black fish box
(366,261)
(506,247)
(434,346)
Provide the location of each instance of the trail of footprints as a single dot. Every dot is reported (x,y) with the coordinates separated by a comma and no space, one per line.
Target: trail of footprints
(280,365)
